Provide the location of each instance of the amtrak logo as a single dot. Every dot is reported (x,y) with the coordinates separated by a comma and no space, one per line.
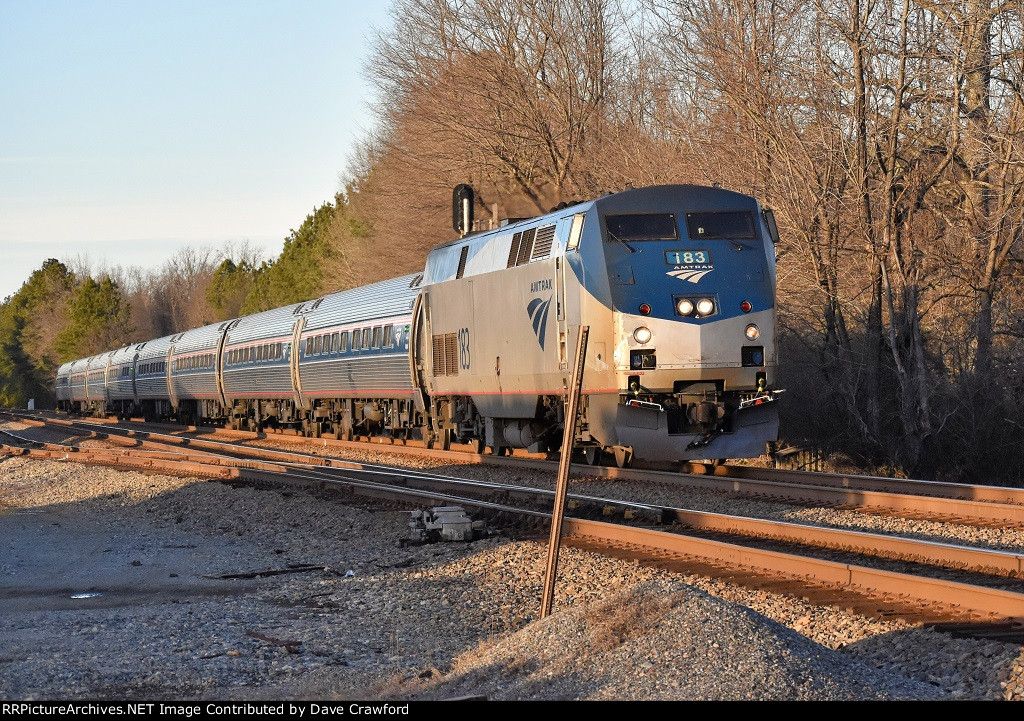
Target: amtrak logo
(691,274)
(538,310)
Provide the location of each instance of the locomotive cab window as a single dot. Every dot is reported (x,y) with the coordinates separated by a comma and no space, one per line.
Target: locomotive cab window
(645,226)
(575,232)
(720,225)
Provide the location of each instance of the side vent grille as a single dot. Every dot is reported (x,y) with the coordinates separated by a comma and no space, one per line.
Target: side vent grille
(415,282)
(438,355)
(445,354)
(513,252)
(462,261)
(542,246)
(526,246)
(451,354)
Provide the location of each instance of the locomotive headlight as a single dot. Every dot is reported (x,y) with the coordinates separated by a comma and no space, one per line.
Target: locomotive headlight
(752,332)
(705,306)
(642,335)
(684,306)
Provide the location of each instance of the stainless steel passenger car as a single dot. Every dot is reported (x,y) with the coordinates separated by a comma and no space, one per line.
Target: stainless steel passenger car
(353,363)
(193,373)
(256,367)
(120,380)
(63,388)
(151,378)
(96,383)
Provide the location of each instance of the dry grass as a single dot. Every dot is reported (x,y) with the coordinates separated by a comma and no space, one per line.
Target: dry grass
(614,622)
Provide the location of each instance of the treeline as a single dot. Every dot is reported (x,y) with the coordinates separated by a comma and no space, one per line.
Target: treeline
(888,136)
(63,312)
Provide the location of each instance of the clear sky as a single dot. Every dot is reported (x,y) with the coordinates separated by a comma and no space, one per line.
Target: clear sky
(131,129)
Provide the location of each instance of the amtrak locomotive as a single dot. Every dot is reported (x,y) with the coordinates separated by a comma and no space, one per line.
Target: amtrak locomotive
(676,282)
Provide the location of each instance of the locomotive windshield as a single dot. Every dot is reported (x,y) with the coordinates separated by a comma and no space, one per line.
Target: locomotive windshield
(720,225)
(649,226)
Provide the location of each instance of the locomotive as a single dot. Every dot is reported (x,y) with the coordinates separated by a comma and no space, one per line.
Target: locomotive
(676,282)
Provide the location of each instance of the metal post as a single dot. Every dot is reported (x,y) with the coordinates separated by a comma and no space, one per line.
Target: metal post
(572,408)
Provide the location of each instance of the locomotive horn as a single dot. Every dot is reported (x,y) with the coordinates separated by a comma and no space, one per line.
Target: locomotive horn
(462,208)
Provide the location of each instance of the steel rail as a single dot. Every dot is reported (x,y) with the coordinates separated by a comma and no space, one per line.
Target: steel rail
(881,545)
(959,510)
(963,597)
(959,491)
(922,551)
(898,588)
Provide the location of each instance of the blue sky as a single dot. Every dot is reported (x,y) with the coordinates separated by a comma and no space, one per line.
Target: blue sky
(131,129)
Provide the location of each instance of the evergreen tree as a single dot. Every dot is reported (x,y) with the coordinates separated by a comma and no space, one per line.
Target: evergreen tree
(29,321)
(299,272)
(98,321)
(230,285)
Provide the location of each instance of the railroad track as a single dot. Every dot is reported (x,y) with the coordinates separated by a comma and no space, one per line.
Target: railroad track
(926,595)
(982,506)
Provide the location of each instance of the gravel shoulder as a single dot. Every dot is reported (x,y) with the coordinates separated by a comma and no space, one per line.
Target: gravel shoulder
(380,621)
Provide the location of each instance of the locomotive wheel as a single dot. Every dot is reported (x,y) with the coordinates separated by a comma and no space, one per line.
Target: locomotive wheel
(476,445)
(592,455)
(623,456)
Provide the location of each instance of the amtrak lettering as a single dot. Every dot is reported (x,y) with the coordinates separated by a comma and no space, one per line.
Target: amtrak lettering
(539,285)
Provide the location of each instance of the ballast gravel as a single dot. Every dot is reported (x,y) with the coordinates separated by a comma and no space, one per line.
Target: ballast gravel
(160,613)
